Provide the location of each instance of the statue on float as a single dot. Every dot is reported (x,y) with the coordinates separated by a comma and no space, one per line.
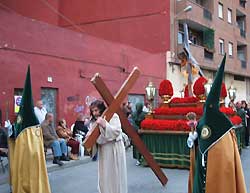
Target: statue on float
(189,61)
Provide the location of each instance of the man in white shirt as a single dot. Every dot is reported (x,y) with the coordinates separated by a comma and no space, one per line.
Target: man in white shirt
(40,111)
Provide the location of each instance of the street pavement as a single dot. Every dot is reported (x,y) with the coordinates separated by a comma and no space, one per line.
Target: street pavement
(83,178)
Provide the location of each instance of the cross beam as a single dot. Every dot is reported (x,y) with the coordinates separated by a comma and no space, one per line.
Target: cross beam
(114,106)
(109,99)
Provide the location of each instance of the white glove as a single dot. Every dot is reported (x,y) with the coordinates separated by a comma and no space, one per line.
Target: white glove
(191,138)
(8,125)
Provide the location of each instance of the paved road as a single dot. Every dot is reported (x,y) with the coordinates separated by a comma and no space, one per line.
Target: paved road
(83,178)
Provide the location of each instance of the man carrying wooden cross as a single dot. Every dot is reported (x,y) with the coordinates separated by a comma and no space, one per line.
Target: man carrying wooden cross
(114,106)
(112,170)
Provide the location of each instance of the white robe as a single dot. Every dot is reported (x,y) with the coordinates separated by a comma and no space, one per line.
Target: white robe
(112,170)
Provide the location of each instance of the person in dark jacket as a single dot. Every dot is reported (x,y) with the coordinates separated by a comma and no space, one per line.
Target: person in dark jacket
(242,114)
(136,118)
(246,109)
(3,141)
(80,127)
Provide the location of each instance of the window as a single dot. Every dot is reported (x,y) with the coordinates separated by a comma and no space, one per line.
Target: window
(229,16)
(207,14)
(230,49)
(239,78)
(220,10)
(221,46)
(243,3)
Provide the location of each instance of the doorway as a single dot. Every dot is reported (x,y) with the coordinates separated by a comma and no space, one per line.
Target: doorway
(49,98)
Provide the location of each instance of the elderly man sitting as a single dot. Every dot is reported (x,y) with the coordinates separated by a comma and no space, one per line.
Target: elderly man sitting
(52,140)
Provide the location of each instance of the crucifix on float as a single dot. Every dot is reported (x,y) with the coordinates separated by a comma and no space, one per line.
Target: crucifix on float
(188,60)
(114,104)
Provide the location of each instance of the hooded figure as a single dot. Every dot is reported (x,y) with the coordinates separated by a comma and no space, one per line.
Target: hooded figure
(135,120)
(138,116)
(218,165)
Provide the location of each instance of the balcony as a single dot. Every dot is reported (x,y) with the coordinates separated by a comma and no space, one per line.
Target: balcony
(243,33)
(241,24)
(198,34)
(200,13)
(240,35)
(203,57)
(239,67)
(241,55)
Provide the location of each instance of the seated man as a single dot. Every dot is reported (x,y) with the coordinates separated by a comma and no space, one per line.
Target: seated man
(51,139)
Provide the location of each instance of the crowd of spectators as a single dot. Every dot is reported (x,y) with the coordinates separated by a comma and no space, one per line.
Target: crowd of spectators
(66,142)
(242,110)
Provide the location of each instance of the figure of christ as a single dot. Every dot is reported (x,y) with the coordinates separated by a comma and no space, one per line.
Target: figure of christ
(187,59)
(190,70)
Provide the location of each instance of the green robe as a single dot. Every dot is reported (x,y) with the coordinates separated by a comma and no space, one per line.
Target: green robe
(222,172)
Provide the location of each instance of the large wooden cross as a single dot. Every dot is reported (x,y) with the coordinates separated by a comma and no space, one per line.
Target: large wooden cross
(114,106)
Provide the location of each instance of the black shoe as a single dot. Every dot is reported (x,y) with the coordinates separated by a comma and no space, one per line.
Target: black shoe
(3,154)
(94,158)
(57,161)
(64,158)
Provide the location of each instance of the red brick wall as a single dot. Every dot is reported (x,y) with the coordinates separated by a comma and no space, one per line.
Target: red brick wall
(143,24)
(71,59)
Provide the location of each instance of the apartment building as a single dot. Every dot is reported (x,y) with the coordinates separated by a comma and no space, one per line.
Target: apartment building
(215,28)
